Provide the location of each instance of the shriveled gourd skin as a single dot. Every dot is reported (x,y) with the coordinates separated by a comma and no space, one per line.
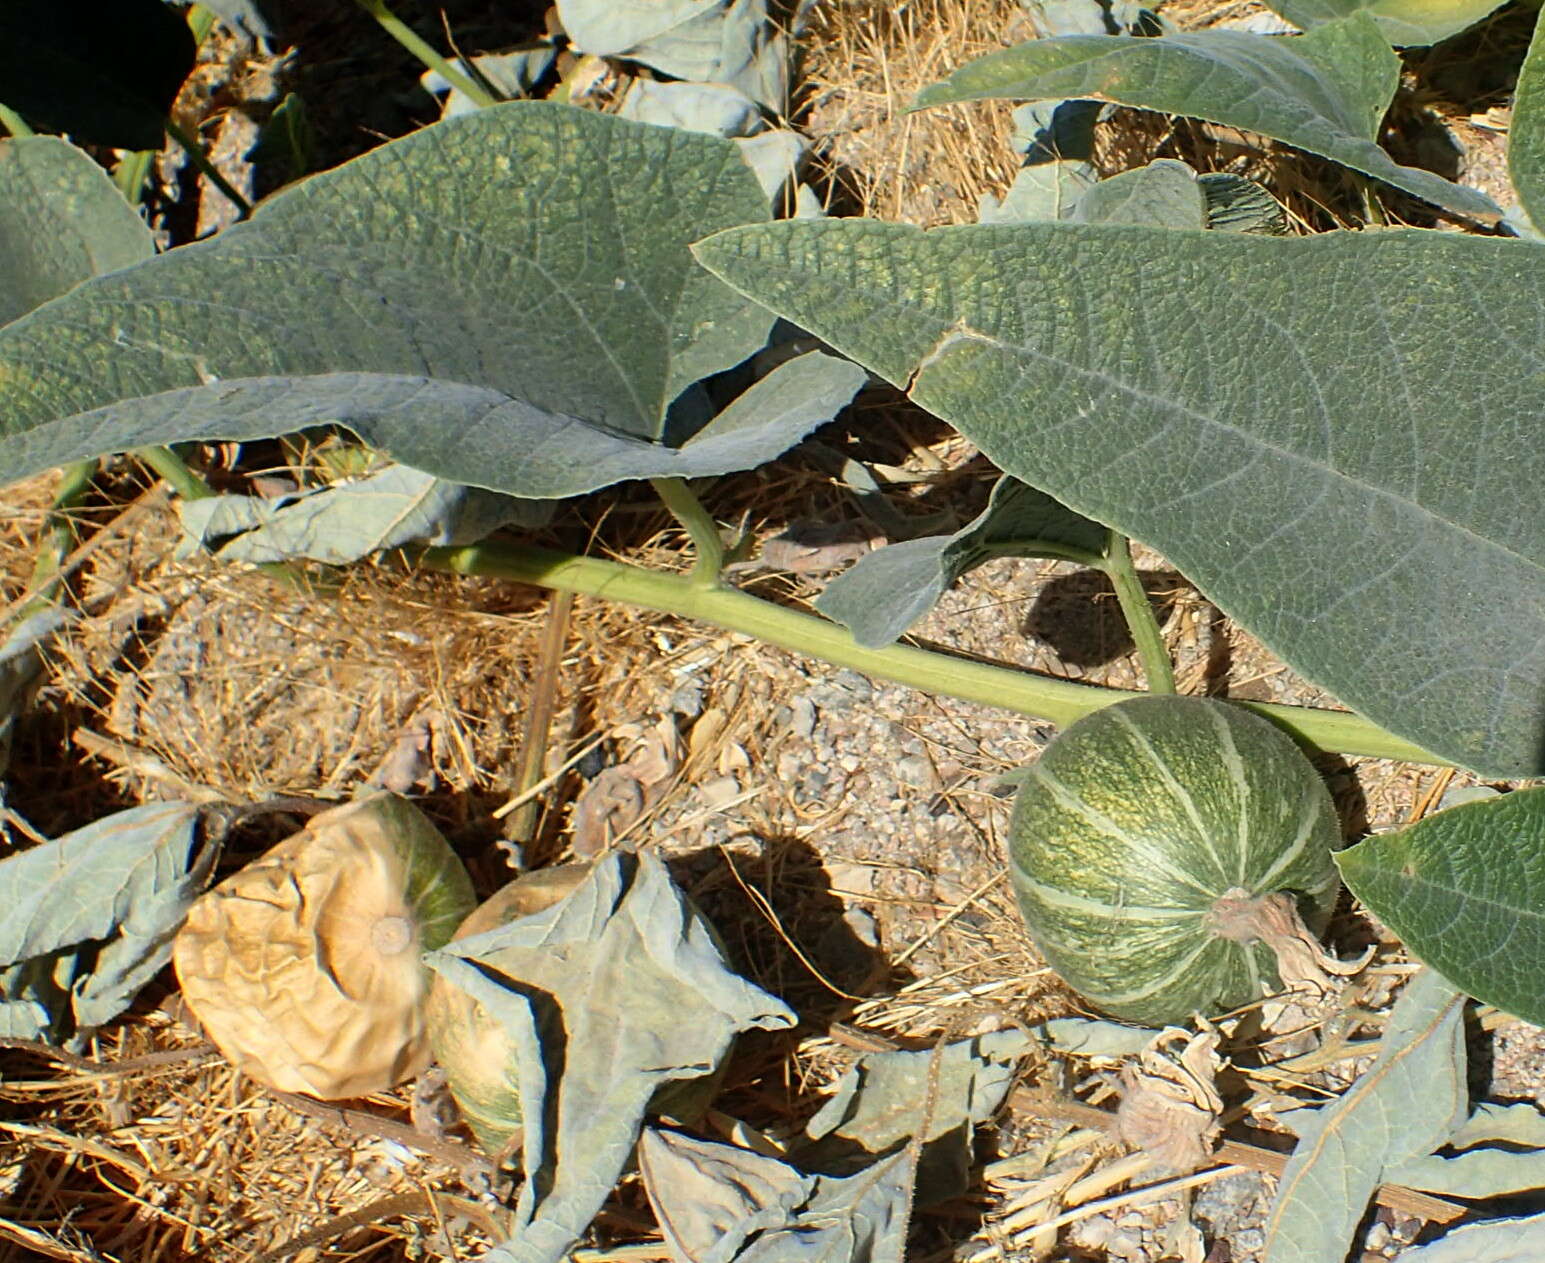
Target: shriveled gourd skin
(304,967)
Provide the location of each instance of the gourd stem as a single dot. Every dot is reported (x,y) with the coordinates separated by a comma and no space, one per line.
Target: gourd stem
(206,168)
(14,123)
(1137,609)
(409,39)
(1056,701)
(687,509)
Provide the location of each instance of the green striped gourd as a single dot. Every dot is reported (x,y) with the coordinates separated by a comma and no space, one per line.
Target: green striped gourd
(1148,838)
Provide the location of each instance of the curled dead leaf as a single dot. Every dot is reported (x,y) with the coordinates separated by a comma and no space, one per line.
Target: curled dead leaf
(1169,1101)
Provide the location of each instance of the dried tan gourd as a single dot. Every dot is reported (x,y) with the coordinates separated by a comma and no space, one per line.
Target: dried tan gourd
(304,967)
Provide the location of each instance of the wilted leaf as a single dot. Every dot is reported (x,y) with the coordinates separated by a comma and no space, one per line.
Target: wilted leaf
(774,157)
(1093,1037)
(485,299)
(713,108)
(886,1099)
(1195,391)
(710,1198)
(860,1219)
(888,590)
(1324,92)
(1044,190)
(1406,1104)
(350,520)
(703,41)
(61,223)
(1526,131)
(239,15)
(1404,23)
(1465,890)
(105,71)
(1485,1172)
(1496,1241)
(609,994)
(89,917)
(511,75)
(1164,194)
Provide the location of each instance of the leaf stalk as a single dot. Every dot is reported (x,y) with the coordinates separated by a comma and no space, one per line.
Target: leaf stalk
(409,39)
(687,509)
(1137,609)
(1056,701)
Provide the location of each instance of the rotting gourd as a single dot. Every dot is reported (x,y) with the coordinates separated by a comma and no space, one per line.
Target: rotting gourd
(304,967)
(1165,849)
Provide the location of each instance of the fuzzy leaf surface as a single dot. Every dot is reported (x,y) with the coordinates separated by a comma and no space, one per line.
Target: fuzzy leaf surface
(61,222)
(1190,390)
(1495,1241)
(608,995)
(1324,92)
(886,591)
(1526,132)
(493,284)
(1406,1104)
(89,917)
(1404,23)
(1465,891)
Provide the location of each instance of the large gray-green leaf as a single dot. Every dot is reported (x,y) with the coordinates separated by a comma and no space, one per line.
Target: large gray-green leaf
(1481,1173)
(513,279)
(1465,890)
(1197,391)
(1325,91)
(349,520)
(61,222)
(1404,1105)
(888,590)
(1496,1241)
(510,75)
(702,41)
(608,995)
(88,918)
(888,1099)
(1526,133)
(1404,23)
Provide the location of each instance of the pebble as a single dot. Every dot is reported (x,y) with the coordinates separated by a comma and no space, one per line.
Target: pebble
(802,718)
(1378,1237)
(915,770)
(1249,1241)
(719,791)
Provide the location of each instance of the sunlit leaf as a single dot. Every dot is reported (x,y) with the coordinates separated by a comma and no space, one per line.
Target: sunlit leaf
(1194,390)
(1465,890)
